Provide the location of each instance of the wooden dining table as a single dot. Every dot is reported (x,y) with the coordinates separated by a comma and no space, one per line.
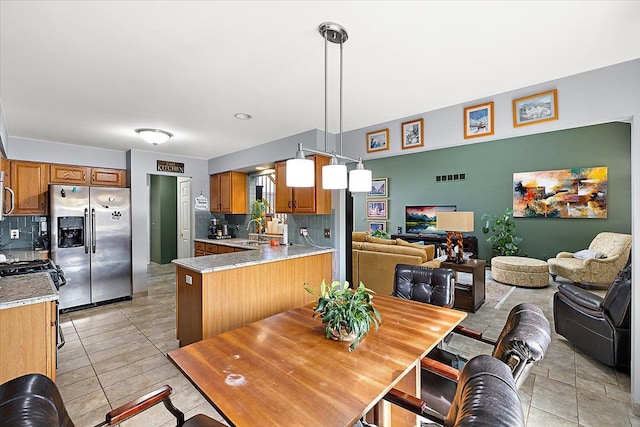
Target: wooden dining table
(282,371)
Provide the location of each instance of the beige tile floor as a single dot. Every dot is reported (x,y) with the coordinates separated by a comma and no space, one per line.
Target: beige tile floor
(117,352)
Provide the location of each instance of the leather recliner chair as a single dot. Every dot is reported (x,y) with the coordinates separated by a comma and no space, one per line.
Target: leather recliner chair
(425,284)
(600,327)
(485,396)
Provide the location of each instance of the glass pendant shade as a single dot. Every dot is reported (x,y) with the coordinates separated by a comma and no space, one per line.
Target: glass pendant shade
(360,180)
(334,176)
(300,173)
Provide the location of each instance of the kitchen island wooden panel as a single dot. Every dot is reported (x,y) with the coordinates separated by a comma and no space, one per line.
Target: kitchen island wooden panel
(225,299)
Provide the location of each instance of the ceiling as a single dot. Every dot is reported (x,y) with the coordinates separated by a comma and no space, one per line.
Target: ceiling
(90,72)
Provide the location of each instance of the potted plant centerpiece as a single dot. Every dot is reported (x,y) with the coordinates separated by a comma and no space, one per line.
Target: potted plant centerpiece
(346,313)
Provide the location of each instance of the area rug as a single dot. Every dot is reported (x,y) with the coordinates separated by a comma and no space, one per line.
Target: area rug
(496,293)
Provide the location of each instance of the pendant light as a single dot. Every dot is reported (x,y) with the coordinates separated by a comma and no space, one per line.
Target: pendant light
(300,172)
(360,179)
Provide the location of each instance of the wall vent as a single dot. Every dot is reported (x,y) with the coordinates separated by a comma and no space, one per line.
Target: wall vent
(451,177)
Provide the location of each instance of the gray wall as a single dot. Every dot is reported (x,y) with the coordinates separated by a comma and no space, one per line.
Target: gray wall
(142,164)
(56,152)
(488,187)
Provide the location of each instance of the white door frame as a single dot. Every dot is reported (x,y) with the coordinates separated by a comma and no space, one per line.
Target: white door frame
(184,229)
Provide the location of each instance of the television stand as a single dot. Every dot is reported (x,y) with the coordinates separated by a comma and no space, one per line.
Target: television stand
(469,243)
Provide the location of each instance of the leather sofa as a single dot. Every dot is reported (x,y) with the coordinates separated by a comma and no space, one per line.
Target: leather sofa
(600,327)
(374,260)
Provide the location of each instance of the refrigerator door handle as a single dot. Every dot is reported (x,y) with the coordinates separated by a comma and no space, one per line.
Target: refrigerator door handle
(86,237)
(93,230)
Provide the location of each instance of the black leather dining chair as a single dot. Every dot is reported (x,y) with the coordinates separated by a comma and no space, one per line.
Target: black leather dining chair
(600,327)
(486,396)
(424,284)
(523,341)
(33,400)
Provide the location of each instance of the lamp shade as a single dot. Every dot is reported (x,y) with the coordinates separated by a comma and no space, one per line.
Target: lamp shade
(300,173)
(454,221)
(334,177)
(360,180)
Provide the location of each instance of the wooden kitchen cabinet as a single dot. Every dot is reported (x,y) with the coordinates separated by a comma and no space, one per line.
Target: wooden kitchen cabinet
(28,337)
(67,174)
(108,177)
(202,249)
(314,200)
(83,175)
(29,181)
(228,191)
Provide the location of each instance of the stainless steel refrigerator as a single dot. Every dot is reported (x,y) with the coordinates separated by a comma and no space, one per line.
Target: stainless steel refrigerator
(91,242)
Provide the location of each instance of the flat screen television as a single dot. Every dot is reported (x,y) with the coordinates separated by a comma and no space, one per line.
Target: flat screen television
(422,219)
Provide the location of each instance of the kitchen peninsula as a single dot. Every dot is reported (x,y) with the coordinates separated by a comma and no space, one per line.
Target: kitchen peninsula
(218,293)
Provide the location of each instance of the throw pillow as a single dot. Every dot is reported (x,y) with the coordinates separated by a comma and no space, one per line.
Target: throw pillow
(589,253)
(378,240)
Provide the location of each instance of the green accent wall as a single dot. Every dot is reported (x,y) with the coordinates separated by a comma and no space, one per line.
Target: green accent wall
(164,218)
(488,188)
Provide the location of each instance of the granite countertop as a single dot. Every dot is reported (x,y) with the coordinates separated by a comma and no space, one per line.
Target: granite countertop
(258,254)
(26,289)
(237,242)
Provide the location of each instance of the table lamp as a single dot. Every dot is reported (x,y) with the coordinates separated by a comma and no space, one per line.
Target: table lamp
(454,223)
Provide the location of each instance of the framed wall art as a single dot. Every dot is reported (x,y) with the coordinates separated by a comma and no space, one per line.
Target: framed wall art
(377,226)
(377,209)
(378,140)
(413,134)
(379,187)
(564,193)
(537,108)
(478,120)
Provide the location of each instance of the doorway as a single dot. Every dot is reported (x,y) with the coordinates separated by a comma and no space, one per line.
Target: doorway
(170,217)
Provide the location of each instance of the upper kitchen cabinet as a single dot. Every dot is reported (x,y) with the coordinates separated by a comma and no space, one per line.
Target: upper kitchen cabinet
(228,191)
(66,174)
(82,175)
(29,182)
(312,200)
(108,177)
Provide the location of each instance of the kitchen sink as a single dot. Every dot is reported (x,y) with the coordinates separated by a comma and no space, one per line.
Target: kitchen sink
(253,242)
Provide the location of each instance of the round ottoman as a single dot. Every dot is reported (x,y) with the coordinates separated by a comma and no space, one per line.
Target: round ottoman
(520,271)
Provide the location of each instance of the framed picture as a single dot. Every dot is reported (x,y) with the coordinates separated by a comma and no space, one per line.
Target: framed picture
(412,134)
(378,140)
(377,209)
(537,108)
(379,187)
(377,226)
(478,120)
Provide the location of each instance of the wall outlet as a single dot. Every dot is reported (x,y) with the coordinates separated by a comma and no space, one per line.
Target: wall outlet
(15,234)
(304,231)
(327,233)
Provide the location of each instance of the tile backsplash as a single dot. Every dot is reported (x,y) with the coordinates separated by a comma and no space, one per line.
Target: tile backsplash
(30,234)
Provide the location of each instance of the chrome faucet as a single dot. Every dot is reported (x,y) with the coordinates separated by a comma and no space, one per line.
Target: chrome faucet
(259,222)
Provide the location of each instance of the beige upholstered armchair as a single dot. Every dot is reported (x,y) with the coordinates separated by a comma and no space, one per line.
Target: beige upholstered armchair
(608,253)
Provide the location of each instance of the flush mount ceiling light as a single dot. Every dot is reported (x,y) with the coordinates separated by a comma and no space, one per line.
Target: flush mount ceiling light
(300,172)
(154,136)
(242,116)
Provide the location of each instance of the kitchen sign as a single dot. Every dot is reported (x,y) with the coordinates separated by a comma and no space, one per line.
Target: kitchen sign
(165,166)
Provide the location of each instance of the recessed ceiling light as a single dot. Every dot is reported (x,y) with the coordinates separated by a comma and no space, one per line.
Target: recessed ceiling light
(242,116)
(154,136)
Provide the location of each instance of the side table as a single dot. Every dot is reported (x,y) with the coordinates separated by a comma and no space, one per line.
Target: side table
(469,297)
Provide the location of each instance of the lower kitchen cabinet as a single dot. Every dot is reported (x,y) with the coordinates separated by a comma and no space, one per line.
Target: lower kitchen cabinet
(28,340)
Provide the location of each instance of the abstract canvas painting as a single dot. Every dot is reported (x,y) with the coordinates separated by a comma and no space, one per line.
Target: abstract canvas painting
(564,193)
